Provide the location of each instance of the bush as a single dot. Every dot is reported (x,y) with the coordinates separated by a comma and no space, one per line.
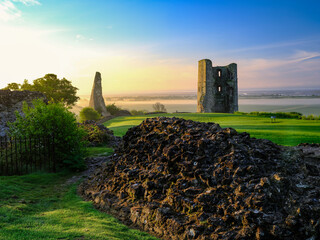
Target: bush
(159,107)
(310,117)
(113,109)
(295,115)
(97,134)
(89,113)
(138,112)
(53,120)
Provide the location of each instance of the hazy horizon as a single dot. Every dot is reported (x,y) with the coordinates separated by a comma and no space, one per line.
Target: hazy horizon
(147,46)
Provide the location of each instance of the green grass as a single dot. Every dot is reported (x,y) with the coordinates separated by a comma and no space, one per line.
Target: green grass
(42,206)
(99,151)
(289,132)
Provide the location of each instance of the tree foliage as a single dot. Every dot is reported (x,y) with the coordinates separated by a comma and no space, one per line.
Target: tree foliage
(113,109)
(53,120)
(55,89)
(89,113)
(158,107)
(138,112)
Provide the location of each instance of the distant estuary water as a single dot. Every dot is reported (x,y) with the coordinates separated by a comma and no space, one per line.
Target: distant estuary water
(305,106)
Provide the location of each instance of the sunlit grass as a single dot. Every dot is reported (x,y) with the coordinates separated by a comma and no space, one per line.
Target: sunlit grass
(42,206)
(288,132)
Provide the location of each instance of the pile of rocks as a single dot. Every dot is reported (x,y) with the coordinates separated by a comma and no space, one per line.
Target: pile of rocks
(11,101)
(98,134)
(181,179)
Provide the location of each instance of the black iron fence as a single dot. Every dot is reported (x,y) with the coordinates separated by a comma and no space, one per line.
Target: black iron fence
(22,155)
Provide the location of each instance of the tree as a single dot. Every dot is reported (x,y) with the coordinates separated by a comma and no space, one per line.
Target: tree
(55,89)
(55,120)
(158,107)
(12,86)
(113,109)
(89,113)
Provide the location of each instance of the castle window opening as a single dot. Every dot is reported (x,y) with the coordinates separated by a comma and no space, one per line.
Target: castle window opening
(219,89)
(219,74)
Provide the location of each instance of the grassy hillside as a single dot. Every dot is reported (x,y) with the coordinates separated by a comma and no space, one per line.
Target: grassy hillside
(42,206)
(287,132)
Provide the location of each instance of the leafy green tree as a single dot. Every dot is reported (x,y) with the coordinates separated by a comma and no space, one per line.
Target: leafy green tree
(158,107)
(13,86)
(89,113)
(113,109)
(55,120)
(55,89)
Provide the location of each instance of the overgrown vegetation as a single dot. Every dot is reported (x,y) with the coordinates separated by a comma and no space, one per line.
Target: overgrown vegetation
(89,113)
(42,206)
(53,120)
(113,109)
(138,112)
(310,117)
(97,135)
(56,90)
(294,115)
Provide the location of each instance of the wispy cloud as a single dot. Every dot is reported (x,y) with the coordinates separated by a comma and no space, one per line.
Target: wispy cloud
(28,2)
(275,45)
(9,11)
(300,69)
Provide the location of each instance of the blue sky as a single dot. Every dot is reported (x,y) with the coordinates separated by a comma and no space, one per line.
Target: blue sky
(145,46)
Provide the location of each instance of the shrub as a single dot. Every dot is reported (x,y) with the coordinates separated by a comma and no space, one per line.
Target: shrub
(138,112)
(295,115)
(89,113)
(113,109)
(310,117)
(159,107)
(97,134)
(55,120)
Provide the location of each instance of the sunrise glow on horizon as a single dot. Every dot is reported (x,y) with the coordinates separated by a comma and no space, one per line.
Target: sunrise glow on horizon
(150,46)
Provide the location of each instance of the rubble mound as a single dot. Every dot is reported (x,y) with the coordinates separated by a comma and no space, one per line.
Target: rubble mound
(180,179)
(98,134)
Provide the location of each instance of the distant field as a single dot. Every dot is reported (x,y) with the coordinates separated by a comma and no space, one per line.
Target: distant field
(288,132)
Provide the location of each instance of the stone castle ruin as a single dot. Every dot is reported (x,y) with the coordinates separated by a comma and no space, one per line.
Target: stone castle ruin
(96,99)
(12,101)
(217,88)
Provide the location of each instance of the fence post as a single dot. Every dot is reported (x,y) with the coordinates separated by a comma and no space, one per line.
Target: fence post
(20,155)
(54,154)
(1,155)
(6,155)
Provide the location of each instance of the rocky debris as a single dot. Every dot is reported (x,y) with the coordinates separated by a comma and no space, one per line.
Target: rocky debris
(96,99)
(11,101)
(99,134)
(180,179)
(123,112)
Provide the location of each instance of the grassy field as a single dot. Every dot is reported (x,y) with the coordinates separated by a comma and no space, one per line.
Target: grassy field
(42,206)
(289,132)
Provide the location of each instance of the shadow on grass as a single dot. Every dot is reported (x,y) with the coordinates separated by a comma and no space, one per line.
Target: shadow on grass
(47,209)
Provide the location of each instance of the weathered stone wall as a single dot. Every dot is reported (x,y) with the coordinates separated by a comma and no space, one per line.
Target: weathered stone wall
(217,87)
(11,101)
(96,99)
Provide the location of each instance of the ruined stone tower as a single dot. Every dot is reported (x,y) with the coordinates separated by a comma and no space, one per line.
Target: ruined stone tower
(96,99)
(217,88)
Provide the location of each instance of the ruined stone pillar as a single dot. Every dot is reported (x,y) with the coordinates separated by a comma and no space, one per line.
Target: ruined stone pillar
(96,99)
